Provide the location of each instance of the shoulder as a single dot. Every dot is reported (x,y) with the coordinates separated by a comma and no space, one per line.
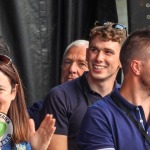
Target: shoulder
(103,108)
(70,85)
(101,112)
(63,94)
(64,88)
(102,103)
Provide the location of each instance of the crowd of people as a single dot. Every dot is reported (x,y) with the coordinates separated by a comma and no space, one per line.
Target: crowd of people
(89,109)
(68,102)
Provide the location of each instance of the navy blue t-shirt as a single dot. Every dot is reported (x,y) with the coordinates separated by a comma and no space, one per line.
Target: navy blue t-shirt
(68,103)
(34,112)
(105,125)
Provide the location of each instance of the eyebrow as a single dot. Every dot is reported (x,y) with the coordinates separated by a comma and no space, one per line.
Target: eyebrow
(101,48)
(81,60)
(1,86)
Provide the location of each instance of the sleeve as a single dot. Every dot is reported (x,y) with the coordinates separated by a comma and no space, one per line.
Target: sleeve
(55,104)
(23,145)
(95,132)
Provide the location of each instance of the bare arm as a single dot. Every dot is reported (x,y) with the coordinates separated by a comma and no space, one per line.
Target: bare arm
(58,142)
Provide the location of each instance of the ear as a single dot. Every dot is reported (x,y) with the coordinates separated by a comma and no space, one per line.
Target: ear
(14,91)
(135,66)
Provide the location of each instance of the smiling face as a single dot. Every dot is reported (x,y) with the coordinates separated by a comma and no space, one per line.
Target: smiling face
(103,59)
(74,63)
(7,94)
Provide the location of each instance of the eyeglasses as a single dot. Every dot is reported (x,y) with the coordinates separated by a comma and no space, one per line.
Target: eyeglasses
(113,25)
(5,59)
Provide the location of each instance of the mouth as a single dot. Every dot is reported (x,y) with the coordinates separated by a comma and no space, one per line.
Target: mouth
(70,79)
(99,67)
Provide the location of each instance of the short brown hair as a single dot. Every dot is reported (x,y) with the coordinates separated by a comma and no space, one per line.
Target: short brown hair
(134,47)
(107,33)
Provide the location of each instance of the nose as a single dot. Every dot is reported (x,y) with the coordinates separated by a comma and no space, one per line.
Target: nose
(100,56)
(73,68)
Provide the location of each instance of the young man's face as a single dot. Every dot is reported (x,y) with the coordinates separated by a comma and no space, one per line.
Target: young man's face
(103,59)
(74,63)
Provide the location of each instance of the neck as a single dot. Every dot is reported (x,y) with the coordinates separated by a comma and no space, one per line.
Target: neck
(137,96)
(103,87)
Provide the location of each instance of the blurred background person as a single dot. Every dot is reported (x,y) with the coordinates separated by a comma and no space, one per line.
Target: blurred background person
(73,65)
(74,60)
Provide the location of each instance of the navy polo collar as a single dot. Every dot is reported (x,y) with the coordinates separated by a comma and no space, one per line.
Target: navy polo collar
(86,87)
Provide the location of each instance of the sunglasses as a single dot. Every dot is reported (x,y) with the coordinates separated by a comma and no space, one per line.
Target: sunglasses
(113,25)
(5,59)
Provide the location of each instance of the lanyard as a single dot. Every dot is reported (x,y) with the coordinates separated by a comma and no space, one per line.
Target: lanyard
(142,131)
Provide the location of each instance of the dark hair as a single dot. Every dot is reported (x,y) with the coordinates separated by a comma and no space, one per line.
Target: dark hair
(4,49)
(107,32)
(134,46)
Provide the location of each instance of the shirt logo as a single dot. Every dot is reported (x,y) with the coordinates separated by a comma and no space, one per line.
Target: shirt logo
(6,129)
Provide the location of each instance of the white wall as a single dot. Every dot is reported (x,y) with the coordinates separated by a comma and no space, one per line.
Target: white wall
(122,12)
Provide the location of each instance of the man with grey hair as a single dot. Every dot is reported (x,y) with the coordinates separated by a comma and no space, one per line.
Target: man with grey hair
(74,60)
(73,65)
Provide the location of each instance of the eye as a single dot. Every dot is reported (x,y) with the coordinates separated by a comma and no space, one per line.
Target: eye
(67,62)
(94,50)
(109,52)
(1,89)
(83,65)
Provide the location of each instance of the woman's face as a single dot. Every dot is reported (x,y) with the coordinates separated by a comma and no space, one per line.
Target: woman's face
(7,94)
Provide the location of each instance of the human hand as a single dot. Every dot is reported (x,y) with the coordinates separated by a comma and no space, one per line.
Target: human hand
(41,138)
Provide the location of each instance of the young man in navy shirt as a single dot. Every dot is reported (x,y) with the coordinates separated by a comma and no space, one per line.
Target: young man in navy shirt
(121,121)
(68,102)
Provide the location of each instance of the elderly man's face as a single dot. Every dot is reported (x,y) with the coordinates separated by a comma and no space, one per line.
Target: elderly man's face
(74,63)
